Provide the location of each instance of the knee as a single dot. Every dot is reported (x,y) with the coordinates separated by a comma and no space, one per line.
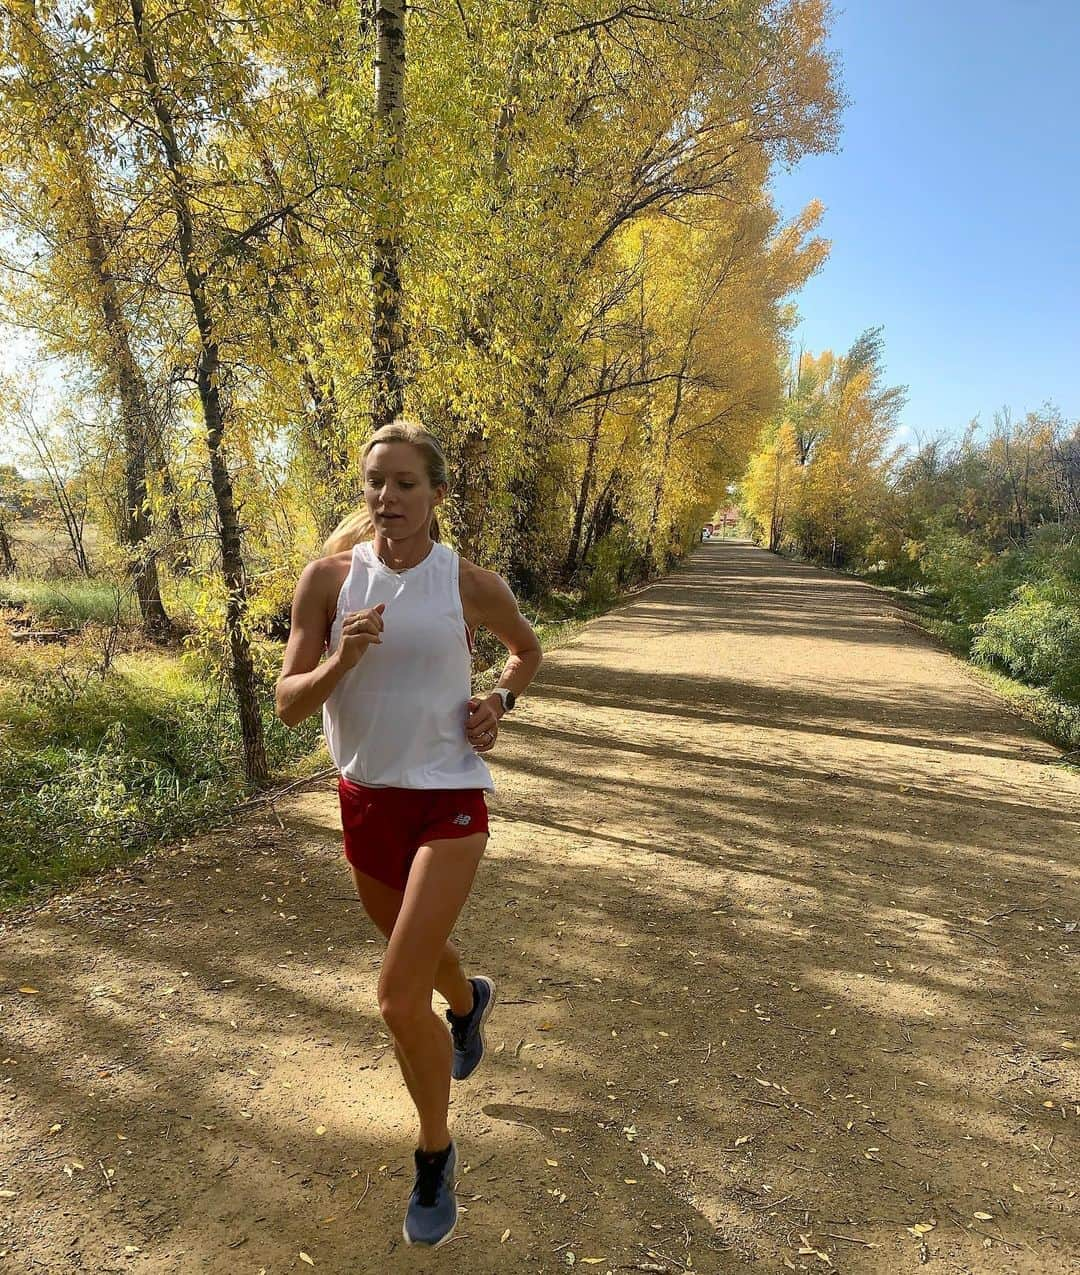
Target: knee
(402,1010)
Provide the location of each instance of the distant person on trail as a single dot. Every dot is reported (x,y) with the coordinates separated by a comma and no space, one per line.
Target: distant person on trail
(395,611)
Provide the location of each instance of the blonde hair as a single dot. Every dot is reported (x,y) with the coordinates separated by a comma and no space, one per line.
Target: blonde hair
(357,525)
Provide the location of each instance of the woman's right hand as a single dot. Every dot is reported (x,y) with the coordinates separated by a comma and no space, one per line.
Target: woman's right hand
(359,630)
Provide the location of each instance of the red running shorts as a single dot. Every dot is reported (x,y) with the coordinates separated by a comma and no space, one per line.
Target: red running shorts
(384,827)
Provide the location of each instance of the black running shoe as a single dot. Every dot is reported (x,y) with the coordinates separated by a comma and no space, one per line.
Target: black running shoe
(468,1033)
(432,1212)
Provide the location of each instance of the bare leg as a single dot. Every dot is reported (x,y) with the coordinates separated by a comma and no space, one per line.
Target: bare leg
(383,903)
(439,882)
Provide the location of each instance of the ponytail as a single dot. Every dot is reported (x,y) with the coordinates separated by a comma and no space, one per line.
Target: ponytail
(353,528)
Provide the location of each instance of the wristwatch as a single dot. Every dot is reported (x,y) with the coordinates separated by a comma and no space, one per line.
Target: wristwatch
(509,699)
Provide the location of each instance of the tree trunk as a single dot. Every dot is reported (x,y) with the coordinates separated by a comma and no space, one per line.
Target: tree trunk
(573,553)
(775,531)
(7,557)
(208,373)
(387,329)
(180,557)
(326,446)
(669,434)
(470,490)
(603,516)
(528,550)
(134,412)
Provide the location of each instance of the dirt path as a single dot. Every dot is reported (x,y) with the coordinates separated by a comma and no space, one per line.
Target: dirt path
(778,902)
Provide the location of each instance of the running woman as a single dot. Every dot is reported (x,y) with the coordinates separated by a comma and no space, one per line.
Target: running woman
(395,616)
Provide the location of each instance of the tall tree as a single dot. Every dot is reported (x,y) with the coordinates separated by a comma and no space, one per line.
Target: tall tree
(215,416)
(387,321)
(82,253)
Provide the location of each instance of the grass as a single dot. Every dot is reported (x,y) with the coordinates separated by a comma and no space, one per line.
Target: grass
(96,768)
(1055,719)
(69,603)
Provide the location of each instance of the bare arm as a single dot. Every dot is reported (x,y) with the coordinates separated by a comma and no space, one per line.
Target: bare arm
(304,683)
(503,618)
(492,604)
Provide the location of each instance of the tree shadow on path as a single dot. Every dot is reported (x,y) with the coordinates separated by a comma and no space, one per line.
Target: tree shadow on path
(776,902)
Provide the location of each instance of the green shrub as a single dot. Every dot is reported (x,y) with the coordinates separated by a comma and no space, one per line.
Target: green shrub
(1036,638)
(968,578)
(1053,555)
(96,767)
(610,565)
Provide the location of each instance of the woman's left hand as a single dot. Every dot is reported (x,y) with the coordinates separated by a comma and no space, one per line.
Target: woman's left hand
(482,726)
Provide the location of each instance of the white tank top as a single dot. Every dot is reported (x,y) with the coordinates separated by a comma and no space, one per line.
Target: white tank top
(397,719)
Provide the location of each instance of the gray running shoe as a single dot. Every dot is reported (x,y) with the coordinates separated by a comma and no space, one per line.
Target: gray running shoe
(468,1033)
(432,1213)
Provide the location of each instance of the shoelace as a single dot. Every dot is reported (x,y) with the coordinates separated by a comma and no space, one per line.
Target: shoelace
(428,1180)
(459,1029)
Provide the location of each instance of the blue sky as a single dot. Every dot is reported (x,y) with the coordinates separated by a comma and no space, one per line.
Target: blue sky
(952,205)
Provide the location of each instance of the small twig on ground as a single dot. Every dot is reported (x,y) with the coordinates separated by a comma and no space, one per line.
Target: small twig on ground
(271,797)
(972,934)
(1009,911)
(769,1204)
(652,1252)
(367,1188)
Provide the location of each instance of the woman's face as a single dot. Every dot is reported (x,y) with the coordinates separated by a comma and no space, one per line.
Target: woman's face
(399,494)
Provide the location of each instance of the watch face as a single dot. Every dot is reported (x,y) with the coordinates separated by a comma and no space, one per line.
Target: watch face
(511,700)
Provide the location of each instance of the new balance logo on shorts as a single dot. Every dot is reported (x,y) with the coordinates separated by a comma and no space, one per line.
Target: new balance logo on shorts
(463,820)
